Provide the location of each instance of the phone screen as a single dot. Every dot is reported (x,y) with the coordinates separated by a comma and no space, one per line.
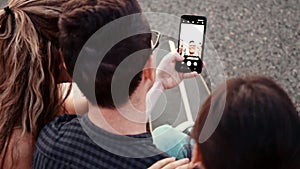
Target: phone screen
(191,43)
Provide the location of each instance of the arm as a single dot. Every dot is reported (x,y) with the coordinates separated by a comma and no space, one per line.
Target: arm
(166,78)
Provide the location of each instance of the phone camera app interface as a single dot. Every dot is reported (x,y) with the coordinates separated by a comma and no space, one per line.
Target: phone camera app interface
(191,43)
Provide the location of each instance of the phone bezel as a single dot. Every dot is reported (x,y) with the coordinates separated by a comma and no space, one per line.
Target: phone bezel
(191,18)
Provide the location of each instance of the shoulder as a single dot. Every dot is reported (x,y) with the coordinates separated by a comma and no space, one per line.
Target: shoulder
(59,125)
(57,128)
(63,119)
(55,138)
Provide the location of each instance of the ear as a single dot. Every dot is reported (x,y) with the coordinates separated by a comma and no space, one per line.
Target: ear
(149,69)
(196,155)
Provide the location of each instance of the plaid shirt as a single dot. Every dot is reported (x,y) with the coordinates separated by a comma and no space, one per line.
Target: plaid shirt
(75,142)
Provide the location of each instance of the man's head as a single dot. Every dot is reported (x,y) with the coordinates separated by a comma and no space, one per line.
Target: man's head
(79,22)
(192,47)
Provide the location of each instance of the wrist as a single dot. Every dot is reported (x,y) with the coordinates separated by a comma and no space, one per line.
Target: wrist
(158,85)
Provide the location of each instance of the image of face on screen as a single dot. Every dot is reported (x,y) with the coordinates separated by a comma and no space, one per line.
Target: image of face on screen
(191,39)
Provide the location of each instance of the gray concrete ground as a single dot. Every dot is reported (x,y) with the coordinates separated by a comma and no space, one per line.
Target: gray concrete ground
(251,37)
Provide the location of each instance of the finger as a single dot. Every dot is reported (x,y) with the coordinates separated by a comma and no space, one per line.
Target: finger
(199,165)
(185,166)
(178,57)
(177,49)
(177,163)
(189,75)
(171,56)
(204,64)
(162,163)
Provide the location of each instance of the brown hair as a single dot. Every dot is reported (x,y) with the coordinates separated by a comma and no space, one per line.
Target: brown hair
(259,127)
(30,66)
(90,15)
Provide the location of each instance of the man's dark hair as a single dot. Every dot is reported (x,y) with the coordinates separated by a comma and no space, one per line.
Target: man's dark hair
(192,41)
(259,127)
(78,23)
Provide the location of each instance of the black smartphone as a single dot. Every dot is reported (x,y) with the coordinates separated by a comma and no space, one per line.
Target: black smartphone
(191,43)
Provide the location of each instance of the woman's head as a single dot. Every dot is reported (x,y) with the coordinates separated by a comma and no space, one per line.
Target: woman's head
(259,127)
(30,65)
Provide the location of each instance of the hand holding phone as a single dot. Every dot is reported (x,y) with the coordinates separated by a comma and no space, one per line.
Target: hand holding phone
(166,73)
(191,43)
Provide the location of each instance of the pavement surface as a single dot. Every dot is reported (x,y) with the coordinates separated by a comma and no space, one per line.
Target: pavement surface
(251,37)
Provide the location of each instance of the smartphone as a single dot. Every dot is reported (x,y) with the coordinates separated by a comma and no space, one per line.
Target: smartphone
(191,43)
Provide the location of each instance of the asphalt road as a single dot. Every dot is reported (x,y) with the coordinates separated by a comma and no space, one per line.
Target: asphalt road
(251,37)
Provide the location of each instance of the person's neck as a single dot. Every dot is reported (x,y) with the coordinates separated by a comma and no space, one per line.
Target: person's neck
(129,119)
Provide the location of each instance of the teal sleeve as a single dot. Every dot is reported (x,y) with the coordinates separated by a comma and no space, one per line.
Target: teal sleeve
(172,141)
